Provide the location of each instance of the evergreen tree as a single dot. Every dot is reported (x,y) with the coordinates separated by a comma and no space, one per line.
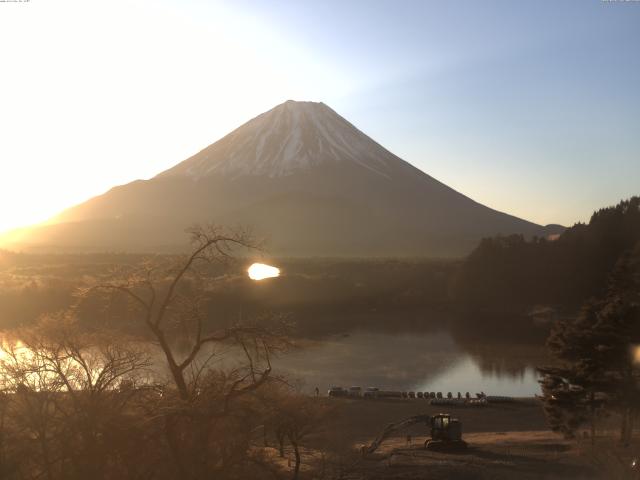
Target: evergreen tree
(596,352)
(573,392)
(516,272)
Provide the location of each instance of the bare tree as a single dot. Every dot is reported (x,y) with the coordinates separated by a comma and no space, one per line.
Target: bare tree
(78,400)
(294,418)
(170,301)
(65,408)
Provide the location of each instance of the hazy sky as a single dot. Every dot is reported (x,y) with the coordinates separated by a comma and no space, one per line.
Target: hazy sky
(532,108)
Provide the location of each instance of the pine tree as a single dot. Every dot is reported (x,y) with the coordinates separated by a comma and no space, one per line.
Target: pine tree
(597,372)
(573,392)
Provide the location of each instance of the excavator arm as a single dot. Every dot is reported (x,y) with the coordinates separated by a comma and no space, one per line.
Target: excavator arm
(395,427)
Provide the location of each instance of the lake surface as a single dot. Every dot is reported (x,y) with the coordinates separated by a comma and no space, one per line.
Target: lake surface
(418,361)
(434,360)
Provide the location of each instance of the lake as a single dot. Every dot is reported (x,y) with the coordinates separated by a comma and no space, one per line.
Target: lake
(433,360)
(413,361)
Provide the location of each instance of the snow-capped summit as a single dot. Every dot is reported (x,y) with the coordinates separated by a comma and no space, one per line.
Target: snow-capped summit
(291,137)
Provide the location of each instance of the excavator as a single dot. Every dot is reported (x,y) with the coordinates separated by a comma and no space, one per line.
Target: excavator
(446,433)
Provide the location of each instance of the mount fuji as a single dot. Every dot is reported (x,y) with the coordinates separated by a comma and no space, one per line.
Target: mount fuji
(299,175)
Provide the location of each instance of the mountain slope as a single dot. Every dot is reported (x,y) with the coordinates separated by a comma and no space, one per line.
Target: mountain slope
(300,175)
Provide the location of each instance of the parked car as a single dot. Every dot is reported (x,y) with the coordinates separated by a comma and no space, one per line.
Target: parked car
(337,392)
(371,392)
(355,391)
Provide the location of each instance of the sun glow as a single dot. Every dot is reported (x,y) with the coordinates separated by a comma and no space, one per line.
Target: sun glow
(260,271)
(79,117)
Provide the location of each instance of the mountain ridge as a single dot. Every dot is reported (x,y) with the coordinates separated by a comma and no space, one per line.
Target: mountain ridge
(301,175)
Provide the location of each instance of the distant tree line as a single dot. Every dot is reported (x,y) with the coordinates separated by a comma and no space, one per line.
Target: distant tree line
(319,294)
(512,272)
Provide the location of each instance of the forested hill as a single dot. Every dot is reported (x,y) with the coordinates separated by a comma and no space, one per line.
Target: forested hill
(513,272)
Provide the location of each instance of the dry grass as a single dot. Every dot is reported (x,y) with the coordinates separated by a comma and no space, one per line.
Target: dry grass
(505,442)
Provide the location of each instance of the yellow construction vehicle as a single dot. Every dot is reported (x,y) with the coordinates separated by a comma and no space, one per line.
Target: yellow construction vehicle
(446,434)
(445,431)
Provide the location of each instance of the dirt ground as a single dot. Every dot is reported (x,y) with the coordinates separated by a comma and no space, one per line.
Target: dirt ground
(364,419)
(504,455)
(505,441)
